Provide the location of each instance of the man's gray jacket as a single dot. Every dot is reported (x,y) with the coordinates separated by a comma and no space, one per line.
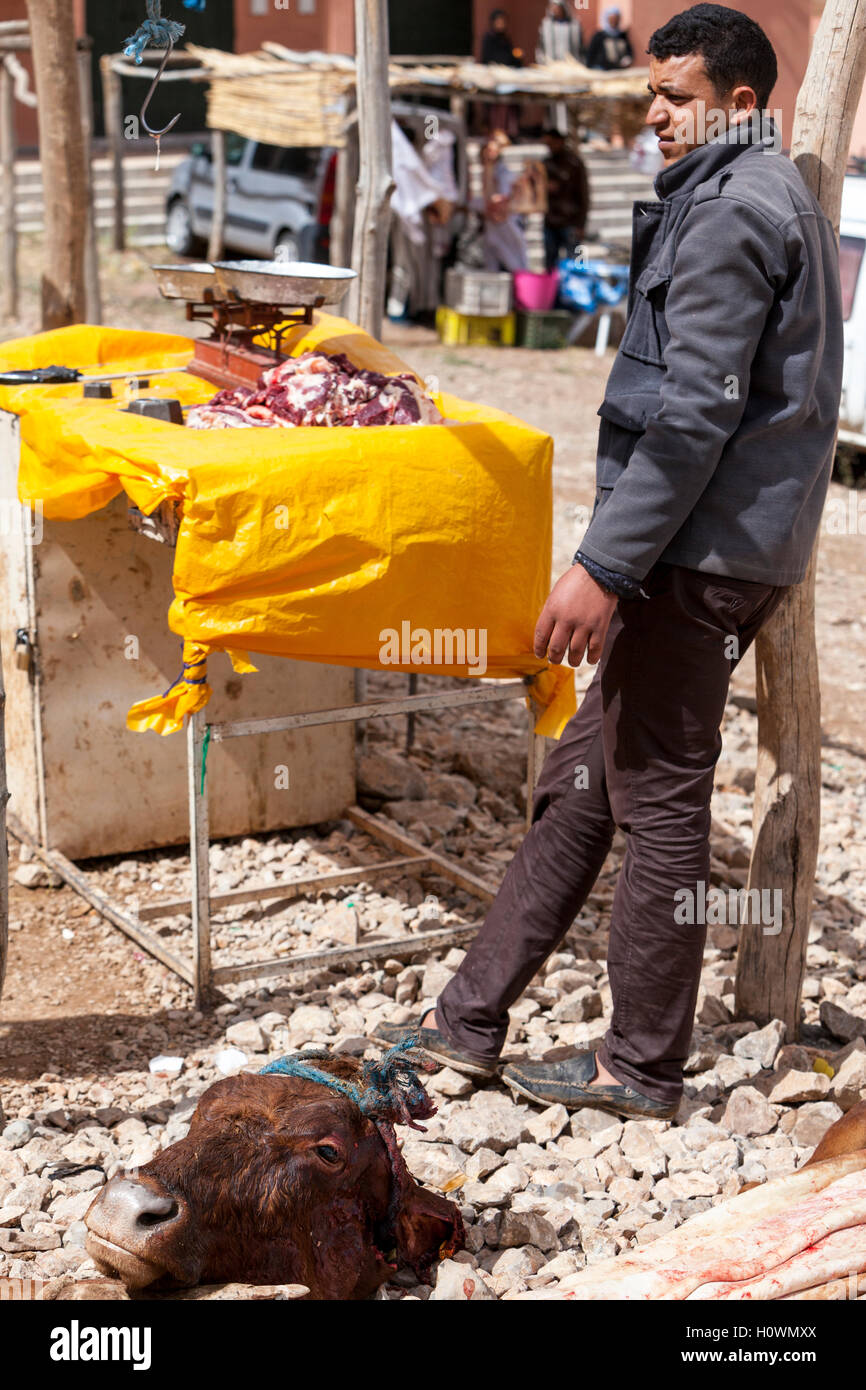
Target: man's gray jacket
(717,425)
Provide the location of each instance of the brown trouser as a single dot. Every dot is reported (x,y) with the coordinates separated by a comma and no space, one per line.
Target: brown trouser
(640,754)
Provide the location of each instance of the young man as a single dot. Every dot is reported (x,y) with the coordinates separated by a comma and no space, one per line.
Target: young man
(714,455)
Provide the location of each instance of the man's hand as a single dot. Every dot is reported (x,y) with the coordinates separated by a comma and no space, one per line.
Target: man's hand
(575,619)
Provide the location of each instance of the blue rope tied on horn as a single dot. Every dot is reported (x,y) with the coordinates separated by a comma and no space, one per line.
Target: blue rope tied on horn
(156,32)
(388,1092)
(389,1089)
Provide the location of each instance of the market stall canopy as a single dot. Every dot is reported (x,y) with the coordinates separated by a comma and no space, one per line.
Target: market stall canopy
(283,97)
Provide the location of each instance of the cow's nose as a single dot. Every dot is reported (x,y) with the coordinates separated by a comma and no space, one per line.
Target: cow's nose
(132,1209)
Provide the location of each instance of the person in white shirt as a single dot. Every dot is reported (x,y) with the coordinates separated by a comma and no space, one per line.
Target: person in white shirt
(560,36)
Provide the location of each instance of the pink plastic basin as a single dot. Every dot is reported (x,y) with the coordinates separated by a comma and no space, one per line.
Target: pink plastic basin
(537,293)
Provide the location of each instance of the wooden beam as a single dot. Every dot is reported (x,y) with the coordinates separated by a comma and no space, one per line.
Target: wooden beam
(787,808)
(112,103)
(71,874)
(287,889)
(366,305)
(61,153)
(220,195)
(8,222)
(92,292)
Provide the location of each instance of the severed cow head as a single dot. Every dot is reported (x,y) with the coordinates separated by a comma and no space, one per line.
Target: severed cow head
(281,1179)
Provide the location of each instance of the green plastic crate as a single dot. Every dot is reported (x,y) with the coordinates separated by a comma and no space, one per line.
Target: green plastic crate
(546,331)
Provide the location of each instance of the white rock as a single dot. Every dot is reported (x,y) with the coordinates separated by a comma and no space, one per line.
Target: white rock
(229,1060)
(481,1163)
(643,1150)
(796,1086)
(748,1113)
(849,1084)
(509,1178)
(459,1283)
(549,1124)
(438,1165)
(517,1261)
(247,1036)
(813,1121)
(730,1071)
(763,1045)
(436,976)
(16,1133)
(489,1121)
(165,1066)
(36,875)
(309,1022)
(579,1007)
(449,1083)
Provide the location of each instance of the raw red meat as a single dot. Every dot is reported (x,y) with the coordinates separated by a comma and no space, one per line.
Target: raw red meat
(318,389)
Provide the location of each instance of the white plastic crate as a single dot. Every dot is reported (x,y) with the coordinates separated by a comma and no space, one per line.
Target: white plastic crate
(483,293)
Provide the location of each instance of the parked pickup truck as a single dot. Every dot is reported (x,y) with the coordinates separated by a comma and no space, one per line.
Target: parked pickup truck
(278,201)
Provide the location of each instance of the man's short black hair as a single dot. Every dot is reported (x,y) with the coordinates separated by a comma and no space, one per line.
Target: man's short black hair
(734,48)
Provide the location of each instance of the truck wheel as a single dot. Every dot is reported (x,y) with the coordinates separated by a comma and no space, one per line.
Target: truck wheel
(287,247)
(179,235)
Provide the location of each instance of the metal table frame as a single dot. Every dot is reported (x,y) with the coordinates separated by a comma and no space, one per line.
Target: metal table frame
(199,972)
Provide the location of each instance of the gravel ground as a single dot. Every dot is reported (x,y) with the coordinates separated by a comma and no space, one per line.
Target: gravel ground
(543,1192)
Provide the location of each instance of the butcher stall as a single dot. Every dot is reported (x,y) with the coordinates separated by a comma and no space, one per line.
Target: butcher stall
(288,490)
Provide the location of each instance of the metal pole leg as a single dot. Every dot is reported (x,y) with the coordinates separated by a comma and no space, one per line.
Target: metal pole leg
(199,863)
(536,752)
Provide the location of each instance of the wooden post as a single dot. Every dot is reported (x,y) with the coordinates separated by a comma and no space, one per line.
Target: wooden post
(4,854)
(112,102)
(344,199)
(61,153)
(375,185)
(787,808)
(220,195)
(9,225)
(92,294)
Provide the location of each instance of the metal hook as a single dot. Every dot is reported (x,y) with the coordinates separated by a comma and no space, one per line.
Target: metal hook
(153,86)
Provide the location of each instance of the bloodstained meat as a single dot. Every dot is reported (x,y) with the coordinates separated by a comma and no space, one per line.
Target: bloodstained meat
(318,389)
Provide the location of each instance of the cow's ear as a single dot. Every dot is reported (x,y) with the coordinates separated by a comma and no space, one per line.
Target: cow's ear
(429,1228)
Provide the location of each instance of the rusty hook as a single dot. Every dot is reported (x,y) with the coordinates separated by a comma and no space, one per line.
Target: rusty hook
(153,86)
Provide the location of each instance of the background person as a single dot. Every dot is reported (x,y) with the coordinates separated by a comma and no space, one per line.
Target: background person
(567,198)
(497,46)
(560,36)
(610,47)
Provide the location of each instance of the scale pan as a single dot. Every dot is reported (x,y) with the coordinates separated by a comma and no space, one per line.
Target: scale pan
(295,284)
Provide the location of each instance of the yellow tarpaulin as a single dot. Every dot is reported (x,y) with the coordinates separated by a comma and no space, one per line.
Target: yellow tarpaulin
(412,548)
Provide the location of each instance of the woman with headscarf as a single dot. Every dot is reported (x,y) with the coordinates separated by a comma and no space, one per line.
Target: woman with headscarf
(496,46)
(560,36)
(611,46)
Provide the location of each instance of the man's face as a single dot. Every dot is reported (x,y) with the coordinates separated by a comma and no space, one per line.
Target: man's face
(500,23)
(686,109)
